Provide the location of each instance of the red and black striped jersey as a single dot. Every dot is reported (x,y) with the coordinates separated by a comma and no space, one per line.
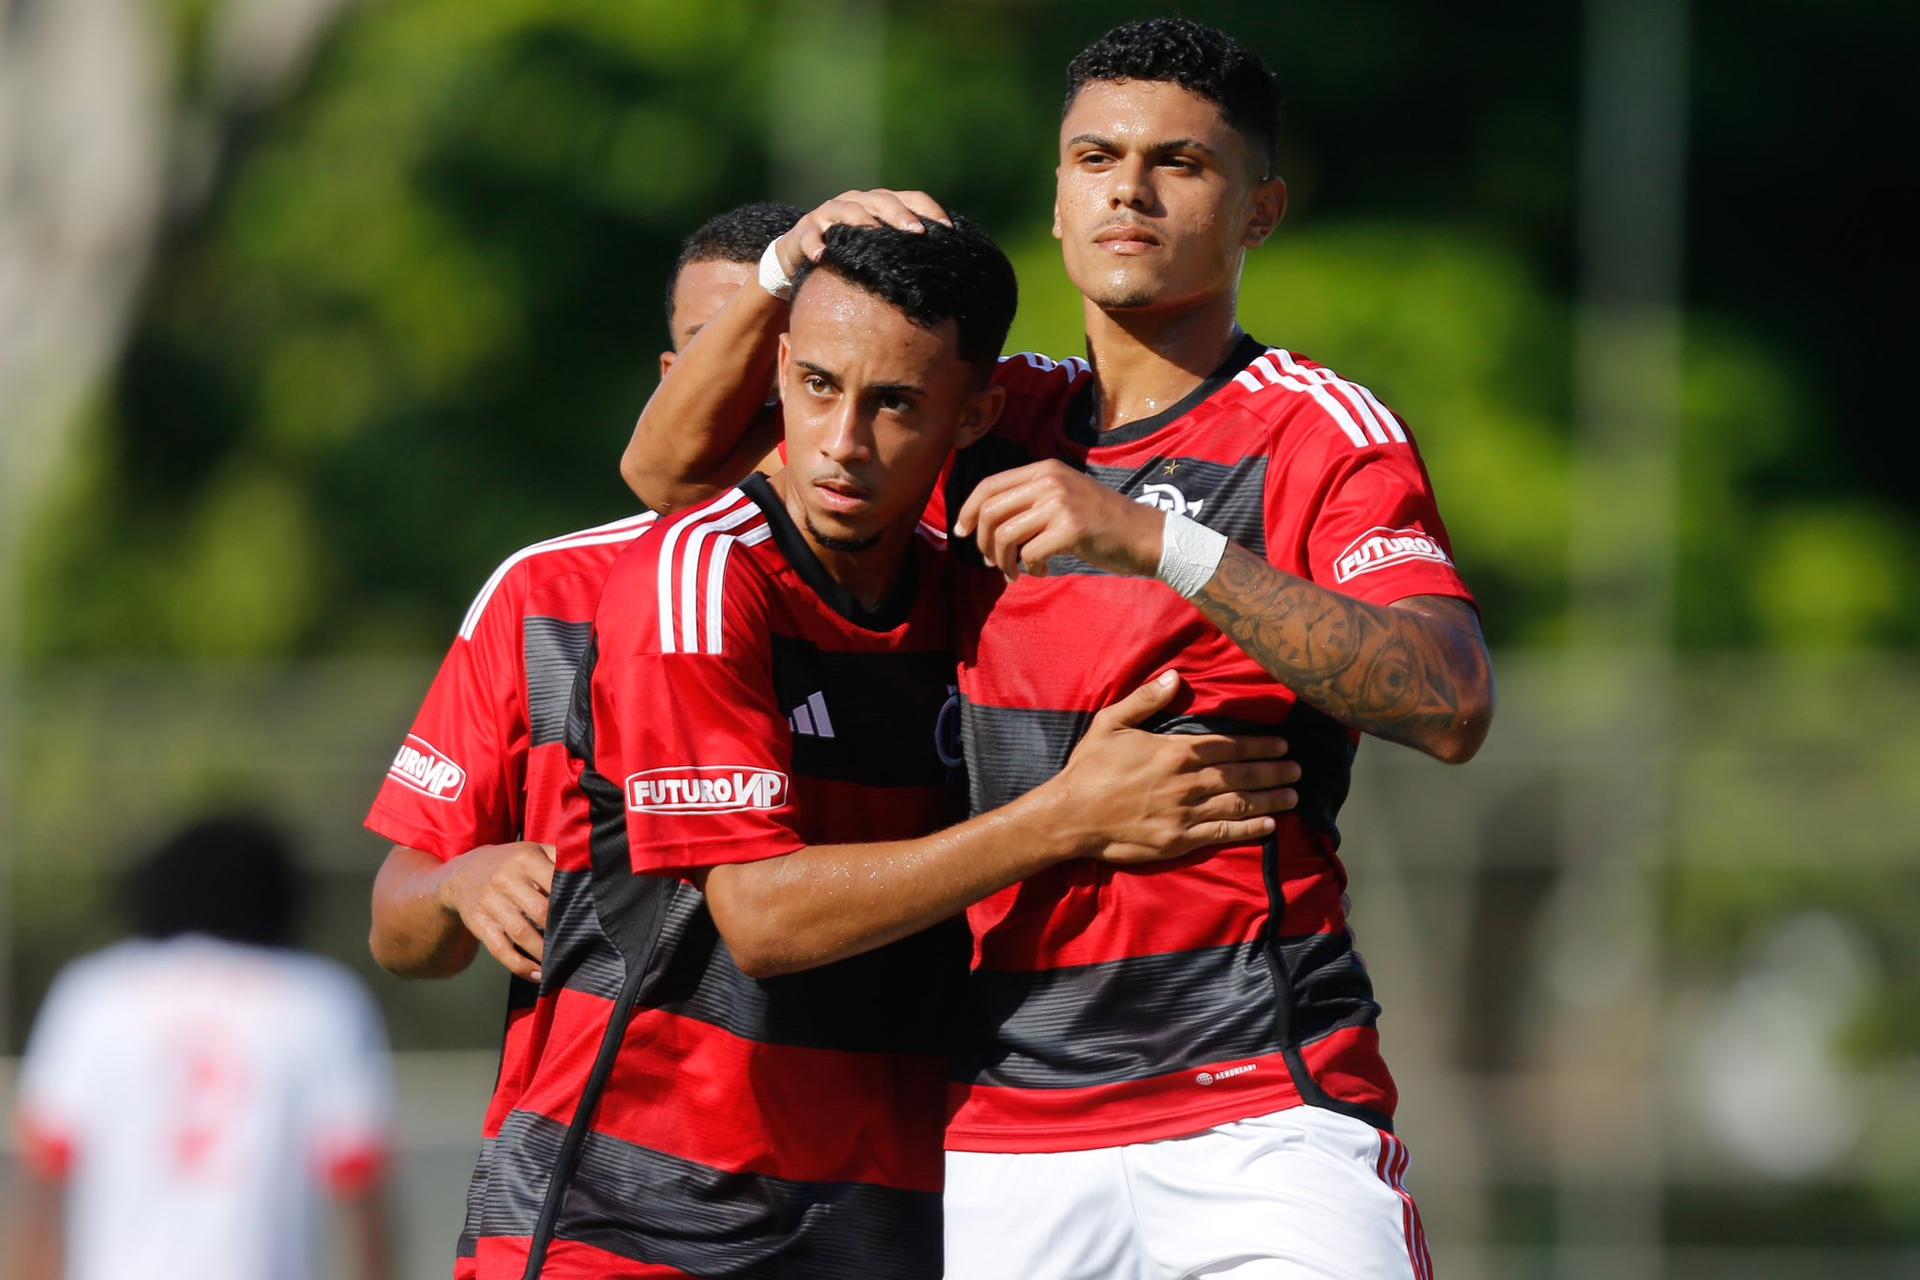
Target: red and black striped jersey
(484,761)
(461,777)
(1113,1005)
(681,1118)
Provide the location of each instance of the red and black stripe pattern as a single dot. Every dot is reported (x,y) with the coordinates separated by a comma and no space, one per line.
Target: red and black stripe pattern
(492,730)
(681,1118)
(1112,1005)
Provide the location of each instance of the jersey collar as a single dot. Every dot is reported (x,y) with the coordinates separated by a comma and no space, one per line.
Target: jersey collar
(1079,419)
(890,612)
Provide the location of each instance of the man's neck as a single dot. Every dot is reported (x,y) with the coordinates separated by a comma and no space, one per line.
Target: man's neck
(1145,362)
(870,573)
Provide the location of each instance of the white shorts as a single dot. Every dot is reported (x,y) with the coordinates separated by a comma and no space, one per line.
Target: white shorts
(1302,1192)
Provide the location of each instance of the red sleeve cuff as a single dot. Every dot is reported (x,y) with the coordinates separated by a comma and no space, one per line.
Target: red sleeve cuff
(1388,589)
(44,1150)
(354,1171)
(679,859)
(399,829)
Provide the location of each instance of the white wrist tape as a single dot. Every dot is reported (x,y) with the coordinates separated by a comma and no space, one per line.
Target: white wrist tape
(773,277)
(1189,554)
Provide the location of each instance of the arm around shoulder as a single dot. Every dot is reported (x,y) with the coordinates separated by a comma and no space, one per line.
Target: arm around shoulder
(1126,796)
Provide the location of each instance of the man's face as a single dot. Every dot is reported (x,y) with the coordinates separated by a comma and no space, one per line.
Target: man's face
(699,292)
(873,403)
(1158,198)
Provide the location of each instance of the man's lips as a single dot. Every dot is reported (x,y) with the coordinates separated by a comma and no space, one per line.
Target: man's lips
(839,495)
(1127,239)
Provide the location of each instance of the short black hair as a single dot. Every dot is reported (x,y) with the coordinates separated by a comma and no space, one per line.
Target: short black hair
(1206,62)
(231,876)
(738,235)
(952,273)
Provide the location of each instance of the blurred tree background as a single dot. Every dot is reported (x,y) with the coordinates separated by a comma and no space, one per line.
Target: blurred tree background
(403,325)
(413,318)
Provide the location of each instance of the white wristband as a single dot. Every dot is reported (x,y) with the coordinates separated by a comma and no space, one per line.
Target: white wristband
(773,277)
(1189,554)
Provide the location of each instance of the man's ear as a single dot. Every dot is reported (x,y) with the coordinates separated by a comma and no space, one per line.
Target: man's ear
(1269,206)
(666,363)
(1058,232)
(780,366)
(980,413)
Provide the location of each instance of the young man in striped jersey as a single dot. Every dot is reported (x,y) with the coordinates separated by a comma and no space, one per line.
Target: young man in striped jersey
(459,876)
(743,1069)
(464,804)
(1178,1074)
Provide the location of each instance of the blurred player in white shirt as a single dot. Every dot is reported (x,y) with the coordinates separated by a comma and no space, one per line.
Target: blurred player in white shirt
(190,1096)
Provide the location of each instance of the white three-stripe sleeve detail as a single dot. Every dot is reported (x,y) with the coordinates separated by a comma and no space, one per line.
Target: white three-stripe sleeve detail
(1246,379)
(716,581)
(1381,424)
(689,610)
(667,561)
(602,535)
(716,593)
(1346,390)
(1340,416)
(1391,423)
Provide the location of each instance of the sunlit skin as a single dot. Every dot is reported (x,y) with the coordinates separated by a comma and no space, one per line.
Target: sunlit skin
(1158,200)
(699,292)
(872,405)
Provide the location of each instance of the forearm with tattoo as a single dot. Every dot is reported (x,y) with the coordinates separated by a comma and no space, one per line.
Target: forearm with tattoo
(1415,673)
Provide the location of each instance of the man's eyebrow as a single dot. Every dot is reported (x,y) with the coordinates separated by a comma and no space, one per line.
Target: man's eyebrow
(1182,144)
(818,372)
(1154,148)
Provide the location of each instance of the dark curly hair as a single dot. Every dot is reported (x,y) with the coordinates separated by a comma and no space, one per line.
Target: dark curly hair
(738,235)
(1201,60)
(232,876)
(952,273)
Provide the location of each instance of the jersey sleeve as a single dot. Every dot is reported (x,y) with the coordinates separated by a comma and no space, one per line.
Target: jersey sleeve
(456,781)
(54,1093)
(694,737)
(349,1104)
(1372,528)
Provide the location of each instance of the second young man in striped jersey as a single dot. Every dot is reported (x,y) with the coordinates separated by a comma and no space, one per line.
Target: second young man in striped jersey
(1176,1073)
(469,802)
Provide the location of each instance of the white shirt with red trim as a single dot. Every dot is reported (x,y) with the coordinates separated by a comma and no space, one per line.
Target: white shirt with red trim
(197,1096)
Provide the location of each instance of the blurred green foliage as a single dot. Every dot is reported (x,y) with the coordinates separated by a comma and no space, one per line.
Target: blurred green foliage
(412,327)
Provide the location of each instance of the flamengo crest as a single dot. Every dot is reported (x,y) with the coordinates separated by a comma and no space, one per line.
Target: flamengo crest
(1169,499)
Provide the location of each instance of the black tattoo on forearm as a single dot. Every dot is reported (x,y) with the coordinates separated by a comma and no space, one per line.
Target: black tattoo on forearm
(1408,676)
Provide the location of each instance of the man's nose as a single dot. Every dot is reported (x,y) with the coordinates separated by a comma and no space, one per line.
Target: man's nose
(1132,188)
(847,437)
